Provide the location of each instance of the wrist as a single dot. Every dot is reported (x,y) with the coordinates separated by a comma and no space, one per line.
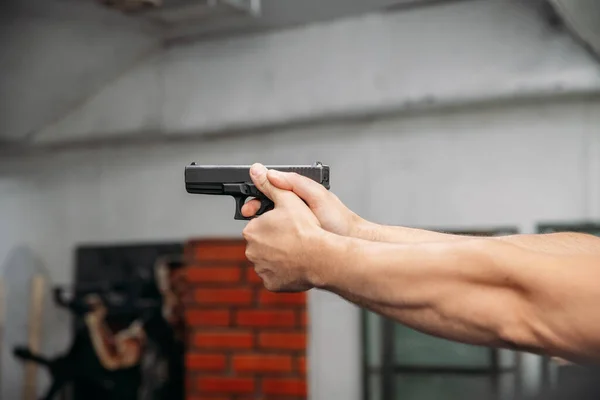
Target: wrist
(326,256)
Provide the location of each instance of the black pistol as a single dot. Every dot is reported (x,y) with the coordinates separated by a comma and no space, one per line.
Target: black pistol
(234,180)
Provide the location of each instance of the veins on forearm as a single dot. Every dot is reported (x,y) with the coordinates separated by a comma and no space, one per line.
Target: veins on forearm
(460,291)
(398,234)
(560,243)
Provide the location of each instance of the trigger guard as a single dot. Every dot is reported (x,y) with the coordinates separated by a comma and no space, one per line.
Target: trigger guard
(239,203)
(265,205)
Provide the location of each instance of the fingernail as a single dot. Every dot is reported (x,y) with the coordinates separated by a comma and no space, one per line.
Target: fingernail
(257,170)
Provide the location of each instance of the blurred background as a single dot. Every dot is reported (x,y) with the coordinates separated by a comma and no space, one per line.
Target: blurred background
(479,117)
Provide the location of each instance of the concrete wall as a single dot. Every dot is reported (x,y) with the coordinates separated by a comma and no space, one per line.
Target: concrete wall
(454,53)
(468,168)
(54,55)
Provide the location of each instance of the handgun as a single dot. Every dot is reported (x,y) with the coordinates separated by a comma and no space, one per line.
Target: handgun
(234,180)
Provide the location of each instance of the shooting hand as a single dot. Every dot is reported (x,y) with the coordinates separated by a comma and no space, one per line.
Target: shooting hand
(332,214)
(279,242)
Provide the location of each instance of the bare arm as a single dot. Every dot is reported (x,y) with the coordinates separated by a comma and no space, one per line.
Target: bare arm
(335,217)
(480,291)
(366,230)
(552,243)
(538,293)
(99,334)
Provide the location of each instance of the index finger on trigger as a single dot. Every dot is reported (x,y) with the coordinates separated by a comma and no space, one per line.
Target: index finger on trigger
(251,208)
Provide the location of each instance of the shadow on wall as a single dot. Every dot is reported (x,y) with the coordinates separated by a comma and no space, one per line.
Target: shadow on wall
(19,275)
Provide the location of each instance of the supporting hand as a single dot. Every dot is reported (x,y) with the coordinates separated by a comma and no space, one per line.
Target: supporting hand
(282,242)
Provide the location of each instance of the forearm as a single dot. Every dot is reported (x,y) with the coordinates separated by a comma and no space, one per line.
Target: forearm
(398,234)
(563,243)
(480,291)
(104,351)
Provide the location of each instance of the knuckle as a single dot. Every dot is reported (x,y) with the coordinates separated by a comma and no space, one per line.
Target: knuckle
(319,187)
(247,231)
(263,180)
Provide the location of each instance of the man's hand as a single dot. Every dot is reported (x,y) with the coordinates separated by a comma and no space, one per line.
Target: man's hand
(281,242)
(332,214)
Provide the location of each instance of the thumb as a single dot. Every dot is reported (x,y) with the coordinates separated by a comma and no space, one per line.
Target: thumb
(307,189)
(258,173)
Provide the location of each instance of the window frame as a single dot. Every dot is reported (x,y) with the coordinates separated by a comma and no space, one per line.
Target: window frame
(550,374)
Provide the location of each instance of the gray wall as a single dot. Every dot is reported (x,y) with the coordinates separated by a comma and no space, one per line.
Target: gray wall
(478,166)
(454,53)
(56,54)
(468,168)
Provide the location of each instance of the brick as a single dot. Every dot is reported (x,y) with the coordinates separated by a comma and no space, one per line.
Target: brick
(303,319)
(262,363)
(226,385)
(219,252)
(282,341)
(223,296)
(208,318)
(284,387)
(285,299)
(190,382)
(261,397)
(207,398)
(266,318)
(252,276)
(224,340)
(206,362)
(301,363)
(214,274)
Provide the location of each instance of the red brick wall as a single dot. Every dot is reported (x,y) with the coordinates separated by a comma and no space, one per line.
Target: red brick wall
(244,342)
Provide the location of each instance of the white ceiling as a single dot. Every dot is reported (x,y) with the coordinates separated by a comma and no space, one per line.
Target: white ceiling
(276,14)
(54,54)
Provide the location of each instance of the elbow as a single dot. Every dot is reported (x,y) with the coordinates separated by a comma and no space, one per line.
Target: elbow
(110,363)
